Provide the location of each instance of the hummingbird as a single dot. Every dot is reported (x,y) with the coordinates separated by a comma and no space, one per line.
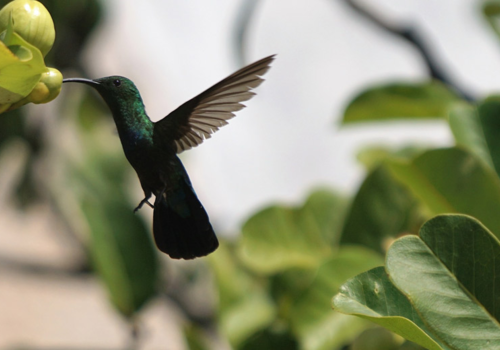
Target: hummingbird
(181,227)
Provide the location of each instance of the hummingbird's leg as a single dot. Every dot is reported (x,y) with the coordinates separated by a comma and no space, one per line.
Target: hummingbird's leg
(144,201)
(147,195)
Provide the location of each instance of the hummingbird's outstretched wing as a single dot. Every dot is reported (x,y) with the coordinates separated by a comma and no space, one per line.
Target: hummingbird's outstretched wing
(198,118)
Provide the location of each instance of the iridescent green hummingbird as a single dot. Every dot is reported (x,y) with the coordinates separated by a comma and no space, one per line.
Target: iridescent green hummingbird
(181,227)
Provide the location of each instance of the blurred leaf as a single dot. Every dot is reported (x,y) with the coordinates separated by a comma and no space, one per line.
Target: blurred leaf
(196,339)
(122,252)
(467,128)
(489,112)
(244,306)
(270,339)
(400,101)
(371,157)
(13,157)
(279,238)
(377,338)
(316,325)
(372,296)
(450,274)
(121,246)
(452,180)
(478,130)
(381,209)
(329,210)
(287,286)
(491,11)
(408,345)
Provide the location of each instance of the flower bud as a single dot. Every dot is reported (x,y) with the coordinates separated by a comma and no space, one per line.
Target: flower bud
(48,88)
(31,21)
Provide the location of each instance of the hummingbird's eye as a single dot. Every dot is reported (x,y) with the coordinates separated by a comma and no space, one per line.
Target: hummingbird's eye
(117,82)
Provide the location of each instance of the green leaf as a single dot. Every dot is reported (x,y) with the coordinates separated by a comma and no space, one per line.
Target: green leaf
(478,130)
(244,306)
(450,275)
(316,325)
(120,245)
(491,11)
(382,208)
(279,238)
(372,296)
(400,101)
(123,253)
(196,338)
(287,286)
(270,339)
(376,338)
(371,157)
(468,130)
(471,253)
(452,180)
(329,210)
(488,114)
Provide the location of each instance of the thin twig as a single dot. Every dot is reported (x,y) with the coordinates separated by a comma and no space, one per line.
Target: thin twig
(241,28)
(413,37)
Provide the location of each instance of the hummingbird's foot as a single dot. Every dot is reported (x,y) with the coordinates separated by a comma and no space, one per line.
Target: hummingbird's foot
(144,201)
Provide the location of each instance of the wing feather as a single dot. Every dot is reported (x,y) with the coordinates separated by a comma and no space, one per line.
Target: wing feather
(197,119)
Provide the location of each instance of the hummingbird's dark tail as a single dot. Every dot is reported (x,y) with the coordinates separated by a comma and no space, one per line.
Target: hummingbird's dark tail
(181,227)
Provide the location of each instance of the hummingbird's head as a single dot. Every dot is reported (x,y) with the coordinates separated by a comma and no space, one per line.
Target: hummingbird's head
(115,90)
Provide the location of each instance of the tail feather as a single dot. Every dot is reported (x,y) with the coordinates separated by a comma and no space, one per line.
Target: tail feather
(181,227)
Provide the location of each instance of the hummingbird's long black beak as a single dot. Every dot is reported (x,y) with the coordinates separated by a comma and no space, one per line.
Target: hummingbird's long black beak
(82,81)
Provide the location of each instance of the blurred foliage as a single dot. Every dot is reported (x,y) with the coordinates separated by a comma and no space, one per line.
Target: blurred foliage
(85,180)
(400,100)
(74,21)
(273,285)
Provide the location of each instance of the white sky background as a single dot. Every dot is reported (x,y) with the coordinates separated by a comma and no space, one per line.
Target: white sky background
(288,140)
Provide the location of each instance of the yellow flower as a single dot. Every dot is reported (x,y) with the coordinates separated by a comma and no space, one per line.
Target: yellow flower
(32,21)
(26,34)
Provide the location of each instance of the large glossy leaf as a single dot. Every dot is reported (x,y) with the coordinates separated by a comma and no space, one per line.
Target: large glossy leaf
(450,275)
(400,101)
(440,290)
(452,180)
(314,323)
(382,208)
(279,237)
(244,306)
(372,296)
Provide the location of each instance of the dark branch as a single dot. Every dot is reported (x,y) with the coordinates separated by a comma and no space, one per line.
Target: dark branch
(414,38)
